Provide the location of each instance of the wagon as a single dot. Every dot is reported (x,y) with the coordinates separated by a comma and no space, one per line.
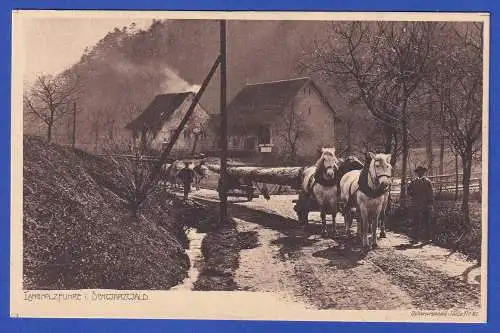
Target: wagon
(239,187)
(306,204)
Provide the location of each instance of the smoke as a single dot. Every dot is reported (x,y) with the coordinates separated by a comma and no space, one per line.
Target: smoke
(173,83)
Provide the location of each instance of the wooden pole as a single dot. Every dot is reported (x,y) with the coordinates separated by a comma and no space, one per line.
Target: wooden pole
(73,141)
(223,132)
(173,138)
(456,177)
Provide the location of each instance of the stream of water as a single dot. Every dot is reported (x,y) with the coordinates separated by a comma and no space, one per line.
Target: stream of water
(195,256)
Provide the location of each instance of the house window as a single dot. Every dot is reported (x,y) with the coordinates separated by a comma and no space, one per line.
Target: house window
(309,110)
(234,142)
(250,143)
(264,135)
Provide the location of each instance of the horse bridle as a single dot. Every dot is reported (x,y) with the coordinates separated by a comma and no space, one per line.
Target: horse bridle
(335,167)
(377,177)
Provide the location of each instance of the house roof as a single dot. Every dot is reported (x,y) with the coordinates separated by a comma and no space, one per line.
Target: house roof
(158,111)
(261,103)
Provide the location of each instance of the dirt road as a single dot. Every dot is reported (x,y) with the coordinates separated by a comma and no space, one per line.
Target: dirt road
(301,266)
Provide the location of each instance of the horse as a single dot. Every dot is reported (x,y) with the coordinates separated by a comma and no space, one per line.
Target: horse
(318,184)
(368,191)
(170,172)
(201,172)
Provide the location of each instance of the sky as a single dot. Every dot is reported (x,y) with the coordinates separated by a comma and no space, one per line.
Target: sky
(55,44)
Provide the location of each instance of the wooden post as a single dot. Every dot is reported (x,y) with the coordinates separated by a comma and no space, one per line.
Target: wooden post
(456,177)
(73,141)
(223,132)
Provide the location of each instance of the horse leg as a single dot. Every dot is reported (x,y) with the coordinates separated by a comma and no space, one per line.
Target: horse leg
(350,220)
(359,223)
(382,225)
(324,232)
(363,225)
(347,220)
(374,223)
(333,207)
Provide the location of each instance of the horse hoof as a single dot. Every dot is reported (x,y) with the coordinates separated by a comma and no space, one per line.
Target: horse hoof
(382,235)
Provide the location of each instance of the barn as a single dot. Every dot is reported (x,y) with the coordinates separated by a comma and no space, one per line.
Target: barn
(287,120)
(158,121)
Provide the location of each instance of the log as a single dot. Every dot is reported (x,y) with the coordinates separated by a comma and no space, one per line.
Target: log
(289,176)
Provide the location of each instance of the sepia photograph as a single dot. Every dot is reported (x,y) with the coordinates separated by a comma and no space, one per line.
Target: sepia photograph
(239,165)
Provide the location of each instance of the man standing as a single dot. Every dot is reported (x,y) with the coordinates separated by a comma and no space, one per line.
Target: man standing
(422,198)
(187,176)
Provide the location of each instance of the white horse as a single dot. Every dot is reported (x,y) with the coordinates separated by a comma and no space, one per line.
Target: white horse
(319,186)
(368,191)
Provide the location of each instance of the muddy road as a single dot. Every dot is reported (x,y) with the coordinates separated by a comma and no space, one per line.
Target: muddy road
(299,265)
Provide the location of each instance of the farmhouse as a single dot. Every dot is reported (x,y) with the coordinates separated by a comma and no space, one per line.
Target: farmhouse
(288,119)
(159,120)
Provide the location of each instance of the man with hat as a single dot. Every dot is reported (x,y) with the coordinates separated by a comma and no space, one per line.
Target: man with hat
(422,198)
(187,176)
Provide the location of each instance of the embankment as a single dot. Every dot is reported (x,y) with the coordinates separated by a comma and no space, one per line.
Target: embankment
(78,233)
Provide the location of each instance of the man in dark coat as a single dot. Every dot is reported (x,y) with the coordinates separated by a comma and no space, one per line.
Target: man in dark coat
(187,176)
(422,199)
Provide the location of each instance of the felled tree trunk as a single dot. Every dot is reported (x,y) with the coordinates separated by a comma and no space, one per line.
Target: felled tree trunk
(290,176)
(281,176)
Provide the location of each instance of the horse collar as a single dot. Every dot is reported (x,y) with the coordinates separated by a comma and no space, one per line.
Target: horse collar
(324,182)
(365,188)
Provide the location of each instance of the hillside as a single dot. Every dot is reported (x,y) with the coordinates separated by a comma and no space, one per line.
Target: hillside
(77,233)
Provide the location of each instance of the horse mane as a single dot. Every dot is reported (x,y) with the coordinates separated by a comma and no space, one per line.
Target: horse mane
(363,181)
(319,162)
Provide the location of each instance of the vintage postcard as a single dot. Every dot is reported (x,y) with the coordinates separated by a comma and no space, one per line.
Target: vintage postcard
(250,165)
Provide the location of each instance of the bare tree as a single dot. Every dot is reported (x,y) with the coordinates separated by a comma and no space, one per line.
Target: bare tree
(294,130)
(458,83)
(381,64)
(50,98)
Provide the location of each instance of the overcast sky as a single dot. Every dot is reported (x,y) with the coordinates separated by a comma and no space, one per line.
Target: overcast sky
(53,45)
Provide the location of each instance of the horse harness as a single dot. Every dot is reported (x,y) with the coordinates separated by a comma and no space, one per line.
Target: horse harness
(317,179)
(363,183)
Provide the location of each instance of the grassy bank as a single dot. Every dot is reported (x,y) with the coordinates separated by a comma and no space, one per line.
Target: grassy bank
(449,227)
(78,232)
